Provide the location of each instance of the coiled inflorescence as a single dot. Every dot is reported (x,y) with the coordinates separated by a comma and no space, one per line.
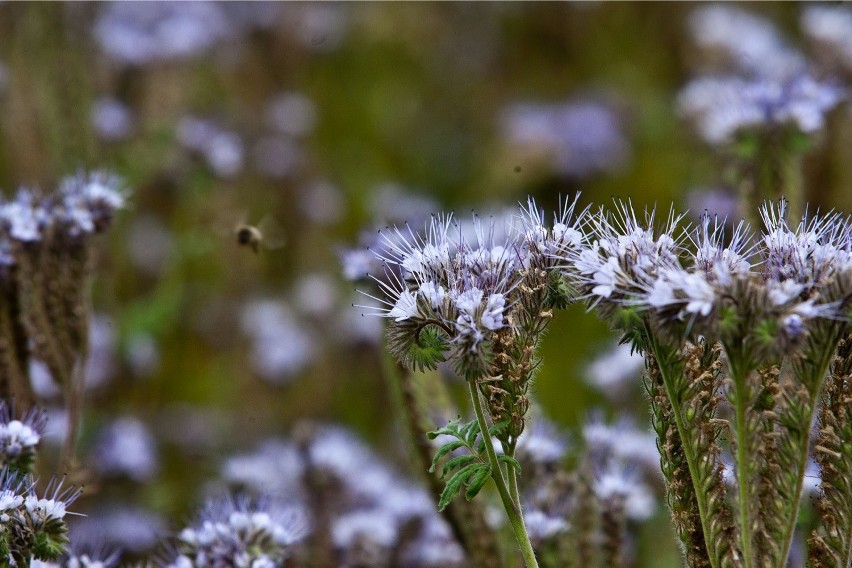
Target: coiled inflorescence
(479,294)
(32,526)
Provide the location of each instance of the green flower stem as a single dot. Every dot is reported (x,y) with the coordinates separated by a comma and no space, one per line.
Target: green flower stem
(738,377)
(513,483)
(817,380)
(513,508)
(688,448)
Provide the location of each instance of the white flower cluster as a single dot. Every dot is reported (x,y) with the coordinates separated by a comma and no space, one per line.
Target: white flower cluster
(26,518)
(83,204)
(367,511)
(622,254)
(235,532)
(790,275)
(465,277)
(16,436)
(19,438)
(459,283)
(622,456)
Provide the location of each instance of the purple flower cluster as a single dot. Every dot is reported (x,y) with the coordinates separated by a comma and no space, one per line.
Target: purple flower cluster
(762,84)
(365,514)
(83,204)
(238,532)
(784,280)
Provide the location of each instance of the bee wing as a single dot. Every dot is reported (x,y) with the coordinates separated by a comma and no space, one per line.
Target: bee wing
(273,233)
(226,227)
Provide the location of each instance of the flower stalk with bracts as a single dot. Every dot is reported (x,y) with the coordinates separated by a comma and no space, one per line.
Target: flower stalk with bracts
(478,295)
(739,333)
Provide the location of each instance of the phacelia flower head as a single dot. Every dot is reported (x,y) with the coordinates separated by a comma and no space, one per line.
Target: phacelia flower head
(621,255)
(19,437)
(89,202)
(25,217)
(721,283)
(722,108)
(449,287)
(449,290)
(763,86)
(241,533)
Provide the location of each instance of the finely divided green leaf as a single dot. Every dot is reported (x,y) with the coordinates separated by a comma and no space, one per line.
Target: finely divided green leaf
(444,450)
(477,481)
(457,462)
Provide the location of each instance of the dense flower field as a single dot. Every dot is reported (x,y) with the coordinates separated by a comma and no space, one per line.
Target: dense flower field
(425,285)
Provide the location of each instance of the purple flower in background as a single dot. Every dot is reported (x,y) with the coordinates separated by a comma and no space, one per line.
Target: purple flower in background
(140,33)
(127,448)
(242,533)
(111,119)
(129,528)
(293,114)
(719,202)
(578,139)
(721,107)
(221,149)
(281,347)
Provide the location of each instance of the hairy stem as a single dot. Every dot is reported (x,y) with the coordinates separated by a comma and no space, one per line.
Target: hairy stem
(465,519)
(814,383)
(739,375)
(513,509)
(688,449)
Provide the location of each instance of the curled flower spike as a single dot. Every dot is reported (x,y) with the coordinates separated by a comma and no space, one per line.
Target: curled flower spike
(33,523)
(448,290)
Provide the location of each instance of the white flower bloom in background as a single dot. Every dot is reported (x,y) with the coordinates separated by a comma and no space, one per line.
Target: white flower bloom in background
(615,369)
(751,43)
(625,484)
(542,526)
(111,119)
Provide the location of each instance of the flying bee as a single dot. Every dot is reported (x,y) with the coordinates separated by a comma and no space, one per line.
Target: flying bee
(265,234)
(249,236)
